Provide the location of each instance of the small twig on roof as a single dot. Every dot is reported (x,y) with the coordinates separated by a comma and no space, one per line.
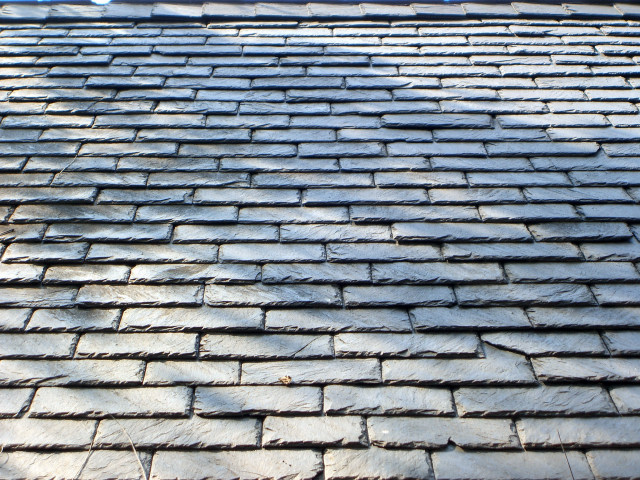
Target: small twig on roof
(565,455)
(133,447)
(86,460)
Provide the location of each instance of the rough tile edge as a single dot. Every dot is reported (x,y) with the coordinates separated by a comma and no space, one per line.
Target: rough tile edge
(225,10)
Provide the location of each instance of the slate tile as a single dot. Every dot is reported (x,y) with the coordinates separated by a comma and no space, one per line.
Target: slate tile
(139,295)
(341,463)
(136,345)
(438,432)
(265,347)
(511,251)
(191,319)
(68,463)
(411,213)
(267,295)
(20,273)
(560,400)
(71,232)
(498,367)
(398,295)
(277,463)
(405,345)
(69,320)
(14,401)
(309,372)
(388,400)
(580,231)
(370,252)
(196,432)
(326,320)
(611,463)
(146,253)
(553,369)
(186,214)
(70,372)
(44,433)
(87,402)
(530,294)
(194,272)
(72,213)
(458,464)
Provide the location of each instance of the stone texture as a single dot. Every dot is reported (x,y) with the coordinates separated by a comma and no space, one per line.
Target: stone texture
(264,295)
(257,400)
(102,465)
(435,318)
(265,346)
(579,432)
(377,463)
(45,433)
(624,342)
(37,345)
(69,320)
(176,372)
(131,295)
(14,400)
(87,274)
(538,294)
(390,296)
(46,297)
(553,369)
(458,465)
(313,431)
(325,320)
(195,432)
(405,345)
(498,367)
(302,464)
(538,343)
(627,399)
(439,432)
(562,400)
(584,317)
(70,372)
(354,400)
(177,319)
(129,402)
(136,345)
(612,463)
(312,371)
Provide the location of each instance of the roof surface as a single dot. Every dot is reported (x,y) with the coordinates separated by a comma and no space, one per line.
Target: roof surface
(388,245)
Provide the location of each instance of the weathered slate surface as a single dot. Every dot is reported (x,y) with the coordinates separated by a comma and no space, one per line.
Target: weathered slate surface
(302,241)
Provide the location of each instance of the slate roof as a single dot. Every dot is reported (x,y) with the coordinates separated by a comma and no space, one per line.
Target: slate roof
(320,241)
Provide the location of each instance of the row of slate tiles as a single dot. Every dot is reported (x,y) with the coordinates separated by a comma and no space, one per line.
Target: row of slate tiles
(266,11)
(495,217)
(322,149)
(246,347)
(581,194)
(322,295)
(334,464)
(513,169)
(51,89)
(496,368)
(199,268)
(318,321)
(394,136)
(286,29)
(328,431)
